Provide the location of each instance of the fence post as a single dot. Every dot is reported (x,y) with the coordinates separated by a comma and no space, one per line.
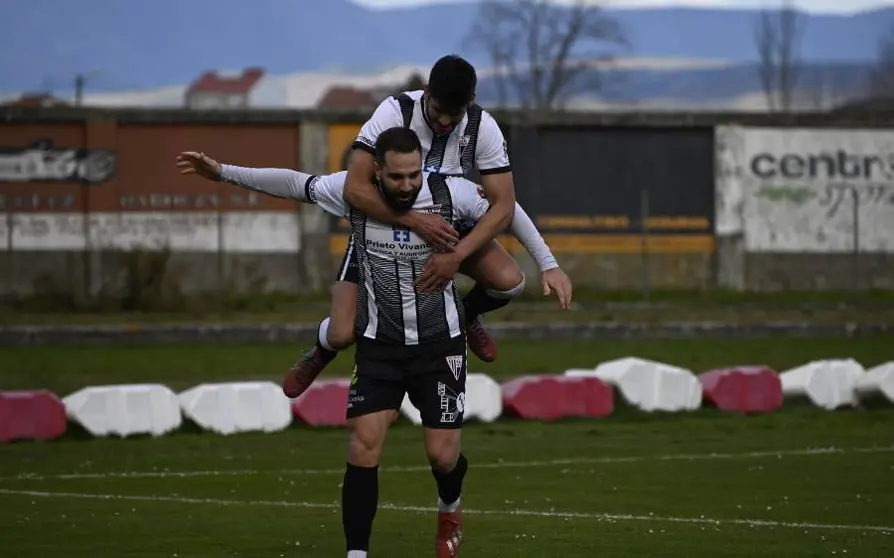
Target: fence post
(646,260)
(313,257)
(855,256)
(221,251)
(9,287)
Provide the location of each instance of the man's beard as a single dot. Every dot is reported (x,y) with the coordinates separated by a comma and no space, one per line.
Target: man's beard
(398,204)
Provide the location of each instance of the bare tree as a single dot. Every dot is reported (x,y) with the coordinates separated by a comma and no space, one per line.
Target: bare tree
(777,36)
(539,50)
(881,77)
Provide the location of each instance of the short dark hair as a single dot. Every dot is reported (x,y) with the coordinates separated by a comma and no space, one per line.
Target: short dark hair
(399,139)
(452,82)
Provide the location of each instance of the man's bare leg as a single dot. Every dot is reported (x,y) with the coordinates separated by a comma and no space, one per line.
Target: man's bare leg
(334,334)
(360,486)
(498,279)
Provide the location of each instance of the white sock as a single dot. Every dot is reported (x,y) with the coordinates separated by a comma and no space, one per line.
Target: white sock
(322,335)
(444,508)
(356,554)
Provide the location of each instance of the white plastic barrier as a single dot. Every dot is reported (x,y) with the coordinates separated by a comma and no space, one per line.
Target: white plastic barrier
(878,380)
(125,410)
(482,400)
(829,384)
(649,385)
(229,408)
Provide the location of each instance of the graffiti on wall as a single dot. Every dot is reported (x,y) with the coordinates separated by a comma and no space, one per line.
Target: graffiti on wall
(43,161)
(806,190)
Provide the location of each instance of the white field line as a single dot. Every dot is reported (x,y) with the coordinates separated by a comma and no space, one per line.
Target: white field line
(486,465)
(602,517)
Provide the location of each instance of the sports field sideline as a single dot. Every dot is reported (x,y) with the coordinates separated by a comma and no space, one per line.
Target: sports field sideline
(801,482)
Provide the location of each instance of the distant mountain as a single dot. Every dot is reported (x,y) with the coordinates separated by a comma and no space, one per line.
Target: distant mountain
(819,82)
(133,44)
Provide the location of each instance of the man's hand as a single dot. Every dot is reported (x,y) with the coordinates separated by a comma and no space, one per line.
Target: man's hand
(190,162)
(434,230)
(556,280)
(439,269)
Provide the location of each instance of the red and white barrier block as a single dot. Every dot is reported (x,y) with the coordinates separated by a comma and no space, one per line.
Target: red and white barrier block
(877,381)
(549,397)
(649,385)
(324,403)
(229,408)
(742,389)
(31,415)
(828,384)
(125,410)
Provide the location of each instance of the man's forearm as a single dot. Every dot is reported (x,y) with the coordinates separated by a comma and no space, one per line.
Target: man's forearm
(365,198)
(526,232)
(493,223)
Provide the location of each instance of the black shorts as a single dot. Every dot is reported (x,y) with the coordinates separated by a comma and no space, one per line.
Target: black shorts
(348,270)
(433,375)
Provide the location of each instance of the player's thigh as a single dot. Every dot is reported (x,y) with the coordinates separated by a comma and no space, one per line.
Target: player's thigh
(493,267)
(374,396)
(342,314)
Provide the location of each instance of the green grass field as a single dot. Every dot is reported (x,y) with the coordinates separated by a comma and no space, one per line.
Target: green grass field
(800,482)
(833,307)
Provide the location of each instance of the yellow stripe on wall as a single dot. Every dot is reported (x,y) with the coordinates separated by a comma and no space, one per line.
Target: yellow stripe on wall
(593,243)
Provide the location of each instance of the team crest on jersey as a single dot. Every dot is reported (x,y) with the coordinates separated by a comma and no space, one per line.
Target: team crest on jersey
(455,364)
(464,142)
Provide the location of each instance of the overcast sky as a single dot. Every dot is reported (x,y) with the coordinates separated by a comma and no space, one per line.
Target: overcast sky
(837,6)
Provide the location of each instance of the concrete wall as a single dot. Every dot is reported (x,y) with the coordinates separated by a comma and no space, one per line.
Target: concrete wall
(146,142)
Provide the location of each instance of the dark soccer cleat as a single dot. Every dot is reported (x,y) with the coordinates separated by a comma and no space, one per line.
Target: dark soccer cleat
(480,341)
(303,373)
(450,534)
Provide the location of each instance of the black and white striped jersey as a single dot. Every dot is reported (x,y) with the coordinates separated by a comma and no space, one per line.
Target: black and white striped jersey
(476,142)
(390,309)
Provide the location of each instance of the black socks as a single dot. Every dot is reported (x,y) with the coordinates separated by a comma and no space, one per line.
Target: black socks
(359,500)
(450,485)
(478,302)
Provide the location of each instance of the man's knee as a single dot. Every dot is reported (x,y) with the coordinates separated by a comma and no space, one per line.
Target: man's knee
(442,448)
(367,438)
(496,269)
(512,286)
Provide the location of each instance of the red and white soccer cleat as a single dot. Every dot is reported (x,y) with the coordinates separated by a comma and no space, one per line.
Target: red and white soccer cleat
(480,341)
(450,534)
(304,372)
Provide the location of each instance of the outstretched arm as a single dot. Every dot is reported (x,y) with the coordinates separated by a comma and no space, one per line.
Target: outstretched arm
(279,183)
(325,191)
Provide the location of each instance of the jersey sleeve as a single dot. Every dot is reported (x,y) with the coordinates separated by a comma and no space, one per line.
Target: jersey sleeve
(491,152)
(279,183)
(469,202)
(387,115)
(327,191)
